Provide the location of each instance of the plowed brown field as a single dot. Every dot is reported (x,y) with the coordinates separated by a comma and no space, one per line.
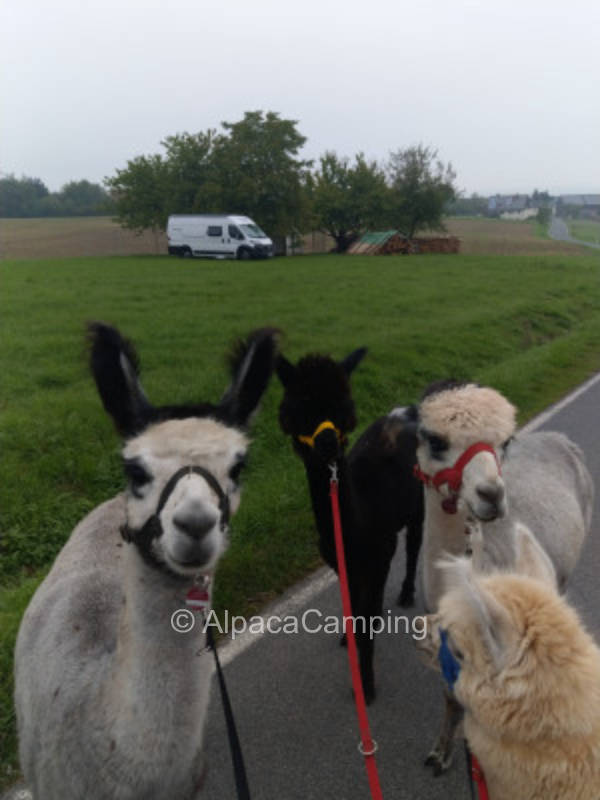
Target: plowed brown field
(73,236)
(100,236)
(502,237)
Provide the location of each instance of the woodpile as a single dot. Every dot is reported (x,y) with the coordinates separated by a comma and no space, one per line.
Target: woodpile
(437,244)
(398,244)
(430,244)
(393,243)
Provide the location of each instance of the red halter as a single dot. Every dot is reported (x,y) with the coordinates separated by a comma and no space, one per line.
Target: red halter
(453,475)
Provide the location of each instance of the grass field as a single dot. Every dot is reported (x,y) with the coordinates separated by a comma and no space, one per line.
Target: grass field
(585,230)
(528,325)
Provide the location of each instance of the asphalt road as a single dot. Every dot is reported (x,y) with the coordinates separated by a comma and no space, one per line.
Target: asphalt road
(558,229)
(292,699)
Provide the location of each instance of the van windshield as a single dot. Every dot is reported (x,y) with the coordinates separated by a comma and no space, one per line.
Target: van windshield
(253,232)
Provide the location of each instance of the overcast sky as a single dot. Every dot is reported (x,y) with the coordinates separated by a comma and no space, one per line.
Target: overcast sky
(508,90)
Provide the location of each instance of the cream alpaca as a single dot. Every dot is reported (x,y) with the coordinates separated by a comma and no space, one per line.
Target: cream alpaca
(469,413)
(529,678)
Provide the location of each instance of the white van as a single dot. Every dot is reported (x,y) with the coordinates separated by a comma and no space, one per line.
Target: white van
(217,236)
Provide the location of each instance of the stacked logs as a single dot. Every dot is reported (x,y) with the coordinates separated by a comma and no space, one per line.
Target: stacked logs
(431,244)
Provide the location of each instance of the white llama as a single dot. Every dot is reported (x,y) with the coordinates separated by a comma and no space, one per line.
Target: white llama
(111,701)
(475,470)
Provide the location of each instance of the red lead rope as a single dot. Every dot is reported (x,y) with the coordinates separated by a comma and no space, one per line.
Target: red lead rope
(479,779)
(368,745)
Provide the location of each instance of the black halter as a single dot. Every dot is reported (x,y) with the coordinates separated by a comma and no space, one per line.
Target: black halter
(152,528)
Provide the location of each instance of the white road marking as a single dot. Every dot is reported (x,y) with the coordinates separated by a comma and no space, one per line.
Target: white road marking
(550,412)
(291,602)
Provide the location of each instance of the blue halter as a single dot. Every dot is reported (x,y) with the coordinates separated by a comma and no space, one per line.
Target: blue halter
(450,666)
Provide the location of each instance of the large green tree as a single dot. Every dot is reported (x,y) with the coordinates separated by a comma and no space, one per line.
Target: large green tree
(421,187)
(257,171)
(252,167)
(189,173)
(140,193)
(347,198)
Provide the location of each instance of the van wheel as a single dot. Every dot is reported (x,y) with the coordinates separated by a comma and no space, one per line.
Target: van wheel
(186,252)
(244,254)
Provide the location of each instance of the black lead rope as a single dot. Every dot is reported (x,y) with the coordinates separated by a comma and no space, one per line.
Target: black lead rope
(143,539)
(237,758)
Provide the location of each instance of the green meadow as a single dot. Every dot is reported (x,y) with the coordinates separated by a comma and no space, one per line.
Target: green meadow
(529,325)
(585,230)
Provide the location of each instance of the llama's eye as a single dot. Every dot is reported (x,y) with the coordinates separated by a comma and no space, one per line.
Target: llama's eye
(235,471)
(137,475)
(458,654)
(437,446)
(505,445)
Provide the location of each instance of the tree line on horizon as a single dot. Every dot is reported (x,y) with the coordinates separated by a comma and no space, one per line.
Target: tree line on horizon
(253,167)
(30,197)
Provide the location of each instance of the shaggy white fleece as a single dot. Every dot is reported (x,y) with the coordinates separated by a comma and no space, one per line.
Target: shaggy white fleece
(198,438)
(469,413)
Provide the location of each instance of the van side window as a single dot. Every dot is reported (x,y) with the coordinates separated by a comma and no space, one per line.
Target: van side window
(235,233)
(215,230)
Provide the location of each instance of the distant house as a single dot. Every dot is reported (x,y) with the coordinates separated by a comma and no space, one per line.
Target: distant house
(507,203)
(588,205)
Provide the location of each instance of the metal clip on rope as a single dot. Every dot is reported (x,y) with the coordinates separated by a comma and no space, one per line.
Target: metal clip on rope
(333,471)
(371,752)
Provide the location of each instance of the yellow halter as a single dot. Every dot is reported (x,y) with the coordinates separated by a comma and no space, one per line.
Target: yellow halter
(310,440)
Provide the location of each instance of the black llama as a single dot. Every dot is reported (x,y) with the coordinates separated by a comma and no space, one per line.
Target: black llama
(379,495)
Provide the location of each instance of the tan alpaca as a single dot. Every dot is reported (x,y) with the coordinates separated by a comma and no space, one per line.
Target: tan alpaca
(529,678)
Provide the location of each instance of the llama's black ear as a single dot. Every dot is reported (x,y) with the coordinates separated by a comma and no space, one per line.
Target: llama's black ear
(114,365)
(352,361)
(408,415)
(285,370)
(404,420)
(252,362)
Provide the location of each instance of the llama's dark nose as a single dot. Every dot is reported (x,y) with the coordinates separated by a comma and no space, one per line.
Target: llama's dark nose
(327,445)
(493,496)
(195,524)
